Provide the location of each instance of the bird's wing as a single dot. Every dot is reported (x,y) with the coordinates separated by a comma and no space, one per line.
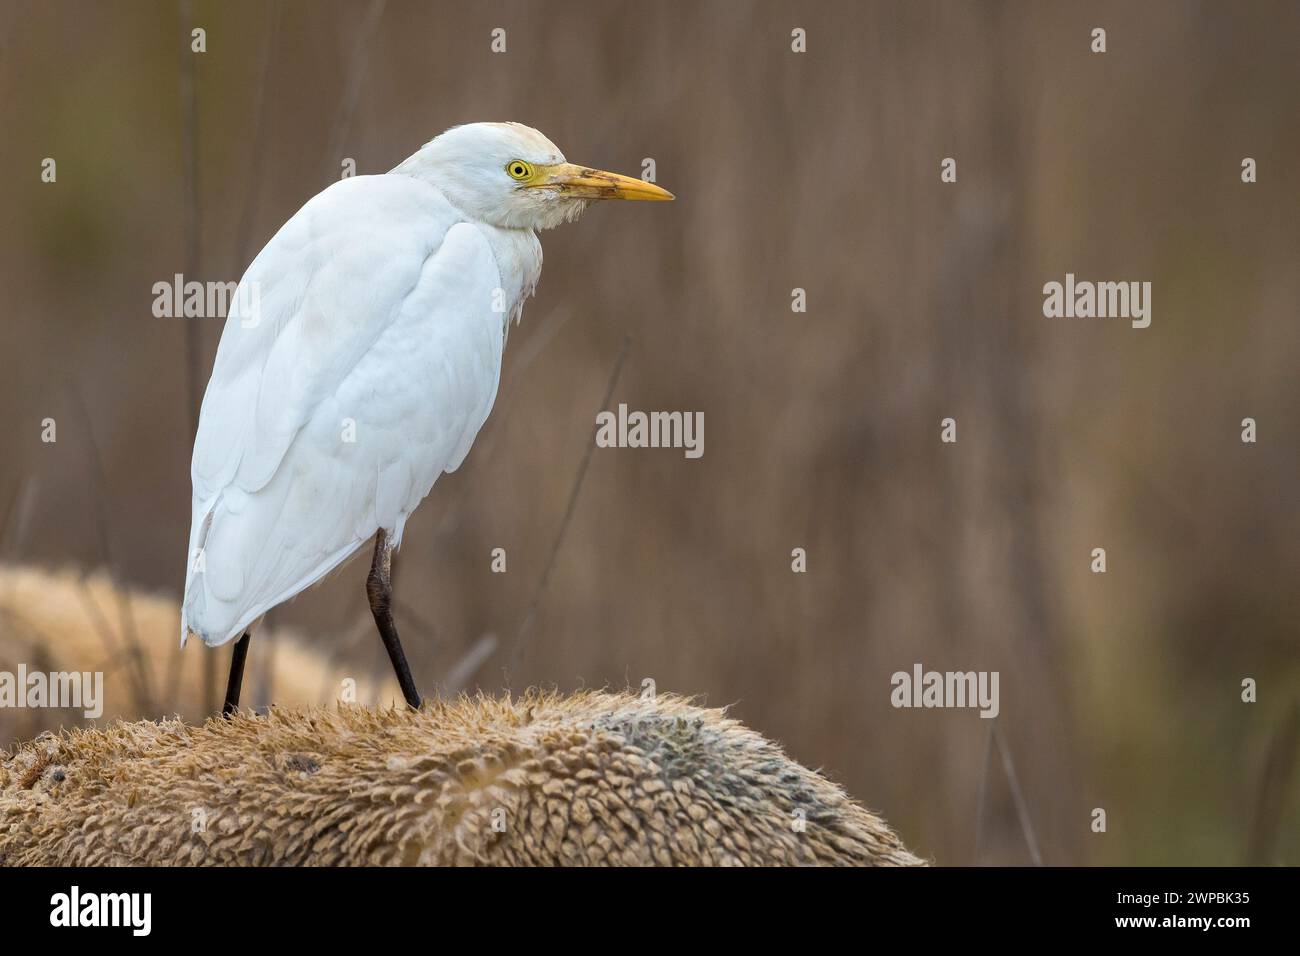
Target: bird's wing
(308,308)
(360,357)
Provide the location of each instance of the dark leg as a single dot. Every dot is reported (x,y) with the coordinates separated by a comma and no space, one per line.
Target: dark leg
(236,680)
(379,588)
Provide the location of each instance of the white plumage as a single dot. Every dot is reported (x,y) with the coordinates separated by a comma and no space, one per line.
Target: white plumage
(360,358)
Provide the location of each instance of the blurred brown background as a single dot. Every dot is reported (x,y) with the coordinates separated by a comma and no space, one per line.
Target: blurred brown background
(819,171)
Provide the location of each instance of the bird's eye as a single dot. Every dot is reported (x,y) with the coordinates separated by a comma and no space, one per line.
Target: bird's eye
(518,169)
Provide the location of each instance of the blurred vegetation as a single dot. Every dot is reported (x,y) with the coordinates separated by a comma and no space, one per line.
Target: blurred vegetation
(817,171)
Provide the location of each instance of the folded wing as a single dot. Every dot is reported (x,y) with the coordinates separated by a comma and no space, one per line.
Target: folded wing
(359,359)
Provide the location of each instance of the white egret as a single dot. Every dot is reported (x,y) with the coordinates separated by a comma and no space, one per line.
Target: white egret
(360,357)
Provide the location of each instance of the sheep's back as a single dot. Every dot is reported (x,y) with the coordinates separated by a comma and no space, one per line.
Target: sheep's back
(543,779)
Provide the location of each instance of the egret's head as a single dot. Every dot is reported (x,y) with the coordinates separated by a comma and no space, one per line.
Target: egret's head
(510,175)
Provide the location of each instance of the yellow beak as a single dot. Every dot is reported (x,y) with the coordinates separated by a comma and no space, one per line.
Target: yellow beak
(587,183)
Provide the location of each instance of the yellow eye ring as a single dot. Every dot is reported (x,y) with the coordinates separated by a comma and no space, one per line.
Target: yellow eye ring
(519,170)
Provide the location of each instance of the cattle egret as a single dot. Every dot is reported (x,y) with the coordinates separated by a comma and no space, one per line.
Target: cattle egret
(360,357)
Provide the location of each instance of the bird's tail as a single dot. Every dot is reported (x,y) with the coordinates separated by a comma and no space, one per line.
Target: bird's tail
(195,563)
